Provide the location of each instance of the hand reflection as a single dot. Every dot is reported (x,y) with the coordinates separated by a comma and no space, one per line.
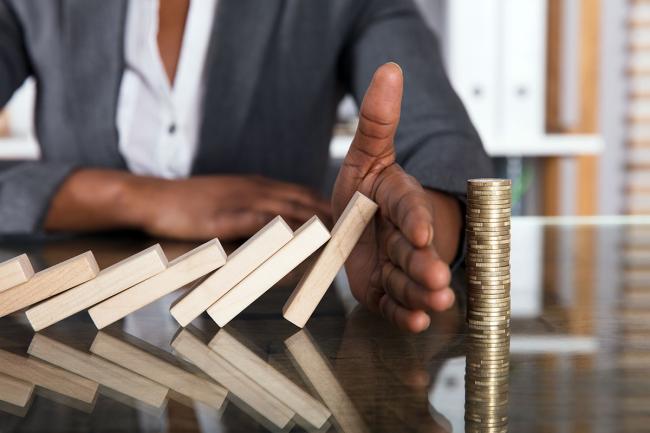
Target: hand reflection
(398,367)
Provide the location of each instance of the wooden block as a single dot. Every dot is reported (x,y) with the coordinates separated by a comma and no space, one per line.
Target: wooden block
(98,370)
(315,368)
(47,376)
(108,282)
(15,271)
(306,240)
(149,366)
(15,391)
(239,264)
(181,271)
(305,406)
(240,385)
(345,235)
(49,282)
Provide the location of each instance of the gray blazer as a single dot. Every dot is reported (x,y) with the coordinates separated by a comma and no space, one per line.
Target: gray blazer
(276,72)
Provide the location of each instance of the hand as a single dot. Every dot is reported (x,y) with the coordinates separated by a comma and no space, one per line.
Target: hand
(227,207)
(199,208)
(396,268)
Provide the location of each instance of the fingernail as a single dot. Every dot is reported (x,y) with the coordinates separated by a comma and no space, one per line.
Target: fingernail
(430,235)
(398,66)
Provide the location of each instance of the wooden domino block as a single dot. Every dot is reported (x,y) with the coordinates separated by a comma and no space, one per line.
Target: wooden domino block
(15,271)
(15,391)
(306,240)
(240,385)
(48,377)
(175,378)
(239,264)
(345,235)
(49,282)
(303,404)
(181,271)
(315,368)
(108,282)
(98,370)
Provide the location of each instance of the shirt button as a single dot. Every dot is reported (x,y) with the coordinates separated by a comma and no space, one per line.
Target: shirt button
(172,128)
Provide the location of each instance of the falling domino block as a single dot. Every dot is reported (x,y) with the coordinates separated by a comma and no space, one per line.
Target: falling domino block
(306,240)
(246,390)
(315,368)
(15,391)
(98,370)
(175,378)
(14,272)
(270,379)
(181,271)
(345,235)
(239,264)
(108,282)
(49,282)
(46,376)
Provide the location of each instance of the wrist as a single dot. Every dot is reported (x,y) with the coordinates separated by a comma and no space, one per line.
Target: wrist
(136,200)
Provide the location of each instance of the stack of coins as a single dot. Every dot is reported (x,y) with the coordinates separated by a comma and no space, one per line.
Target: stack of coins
(488,308)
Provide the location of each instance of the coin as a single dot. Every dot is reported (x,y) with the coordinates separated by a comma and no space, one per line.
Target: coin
(481,218)
(487,223)
(483,203)
(480,210)
(487,258)
(488,182)
(488,271)
(486,229)
(477,256)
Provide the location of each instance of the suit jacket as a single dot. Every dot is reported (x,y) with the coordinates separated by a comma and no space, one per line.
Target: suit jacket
(276,72)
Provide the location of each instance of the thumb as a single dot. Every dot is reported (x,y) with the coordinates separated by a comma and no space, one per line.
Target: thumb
(378,120)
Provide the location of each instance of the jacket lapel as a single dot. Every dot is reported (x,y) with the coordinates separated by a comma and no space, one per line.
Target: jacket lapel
(240,37)
(95,58)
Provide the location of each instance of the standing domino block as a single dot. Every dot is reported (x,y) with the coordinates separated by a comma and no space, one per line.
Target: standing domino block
(108,282)
(306,240)
(181,271)
(137,360)
(239,264)
(15,391)
(345,235)
(305,406)
(14,272)
(47,376)
(246,390)
(98,370)
(49,282)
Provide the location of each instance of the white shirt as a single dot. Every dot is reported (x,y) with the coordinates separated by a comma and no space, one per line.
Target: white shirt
(158,125)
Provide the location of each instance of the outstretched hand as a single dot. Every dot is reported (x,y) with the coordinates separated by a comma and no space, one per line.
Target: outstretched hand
(396,268)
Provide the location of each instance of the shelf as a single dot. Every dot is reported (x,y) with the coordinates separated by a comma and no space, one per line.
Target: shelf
(546,145)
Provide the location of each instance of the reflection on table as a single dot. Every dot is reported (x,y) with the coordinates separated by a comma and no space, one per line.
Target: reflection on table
(579,358)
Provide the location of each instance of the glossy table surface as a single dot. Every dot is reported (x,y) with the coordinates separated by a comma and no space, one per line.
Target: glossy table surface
(579,352)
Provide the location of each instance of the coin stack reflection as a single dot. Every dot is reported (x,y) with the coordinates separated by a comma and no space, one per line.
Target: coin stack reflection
(488,314)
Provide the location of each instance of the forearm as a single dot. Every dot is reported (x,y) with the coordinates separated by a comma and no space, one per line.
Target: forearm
(94,199)
(448,223)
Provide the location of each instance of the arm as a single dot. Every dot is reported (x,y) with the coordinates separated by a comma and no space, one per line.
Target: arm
(25,188)
(436,141)
(228,207)
(14,62)
(413,152)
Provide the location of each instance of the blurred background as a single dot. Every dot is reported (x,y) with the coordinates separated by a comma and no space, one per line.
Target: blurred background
(558,89)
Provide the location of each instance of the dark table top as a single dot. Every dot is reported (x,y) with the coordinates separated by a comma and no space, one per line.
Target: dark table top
(579,352)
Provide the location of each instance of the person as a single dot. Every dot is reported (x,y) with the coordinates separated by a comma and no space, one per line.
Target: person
(192,120)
